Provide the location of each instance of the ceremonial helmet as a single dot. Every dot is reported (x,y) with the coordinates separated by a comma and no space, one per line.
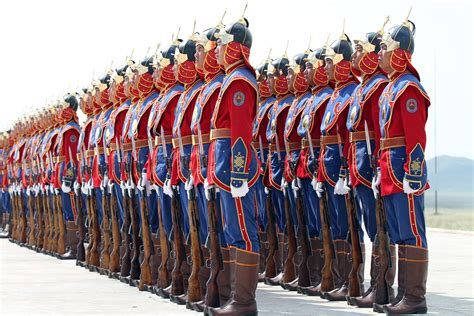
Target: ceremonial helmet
(340,53)
(117,78)
(236,41)
(370,45)
(316,59)
(401,42)
(279,69)
(69,107)
(261,71)
(185,59)
(131,89)
(166,63)
(84,95)
(299,83)
(208,41)
(144,71)
(102,98)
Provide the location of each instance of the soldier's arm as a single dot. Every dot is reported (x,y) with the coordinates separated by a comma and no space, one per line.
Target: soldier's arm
(414,115)
(242,98)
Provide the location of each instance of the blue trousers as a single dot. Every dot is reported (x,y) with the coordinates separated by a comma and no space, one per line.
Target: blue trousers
(261,203)
(98,203)
(311,202)
(365,205)
(289,192)
(279,208)
(406,219)
(202,211)
(153,215)
(117,191)
(183,198)
(69,206)
(7,202)
(165,203)
(337,213)
(240,222)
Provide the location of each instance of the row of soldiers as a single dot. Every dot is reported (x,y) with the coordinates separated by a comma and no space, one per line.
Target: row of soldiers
(195,177)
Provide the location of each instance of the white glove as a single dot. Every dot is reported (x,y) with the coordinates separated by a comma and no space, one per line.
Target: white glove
(77,187)
(51,189)
(314,183)
(239,192)
(376,183)
(319,188)
(18,189)
(10,189)
(110,186)
(84,188)
(123,186)
(283,184)
(56,191)
(340,187)
(104,183)
(167,188)
(207,188)
(65,188)
(28,191)
(407,189)
(45,189)
(153,187)
(267,190)
(89,186)
(189,184)
(36,189)
(141,182)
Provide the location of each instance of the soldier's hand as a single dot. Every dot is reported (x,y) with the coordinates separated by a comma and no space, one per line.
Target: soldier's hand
(207,189)
(167,188)
(66,189)
(407,188)
(240,191)
(340,188)
(376,183)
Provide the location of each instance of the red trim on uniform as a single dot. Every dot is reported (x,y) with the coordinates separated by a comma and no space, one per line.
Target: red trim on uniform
(242,226)
(414,228)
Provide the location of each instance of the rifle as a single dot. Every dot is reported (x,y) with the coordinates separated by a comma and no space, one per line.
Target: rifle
(357,260)
(303,234)
(163,274)
(126,239)
(135,260)
(31,207)
(23,223)
(47,210)
(197,258)
(216,264)
(40,210)
(81,251)
(94,256)
(289,271)
(270,265)
(105,253)
(145,268)
(177,283)
(382,240)
(89,206)
(54,212)
(114,265)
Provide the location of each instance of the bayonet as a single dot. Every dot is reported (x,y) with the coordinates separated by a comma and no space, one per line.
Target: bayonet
(201,147)
(163,143)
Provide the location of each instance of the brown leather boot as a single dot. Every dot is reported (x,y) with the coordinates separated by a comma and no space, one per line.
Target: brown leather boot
(390,277)
(367,299)
(416,274)
(72,240)
(280,257)
(344,266)
(243,297)
(315,265)
(263,255)
(360,275)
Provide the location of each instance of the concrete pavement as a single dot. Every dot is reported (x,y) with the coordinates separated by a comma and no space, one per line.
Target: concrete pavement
(35,284)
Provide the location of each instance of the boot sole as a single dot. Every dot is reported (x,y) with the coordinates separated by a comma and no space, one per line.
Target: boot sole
(418,311)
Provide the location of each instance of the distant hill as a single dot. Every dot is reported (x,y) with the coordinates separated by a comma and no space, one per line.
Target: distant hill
(454,174)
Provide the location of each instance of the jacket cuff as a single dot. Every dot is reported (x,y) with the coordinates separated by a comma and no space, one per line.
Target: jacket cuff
(342,172)
(238,179)
(414,181)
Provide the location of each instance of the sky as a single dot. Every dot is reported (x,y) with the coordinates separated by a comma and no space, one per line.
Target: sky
(51,47)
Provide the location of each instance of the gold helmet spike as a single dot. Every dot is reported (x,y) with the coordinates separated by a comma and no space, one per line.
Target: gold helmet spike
(343,35)
(382,29)
(175,39)
(221,22)
(285,54)
(242,18)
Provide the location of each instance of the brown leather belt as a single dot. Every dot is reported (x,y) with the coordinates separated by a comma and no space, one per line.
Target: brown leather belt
(329,140)
(294,146)
(256,145)
(220,133)
(185,140)
(386,143)
(305,143)
(359,136)
(59,159)
(89,153)
(141,143)
(205,138)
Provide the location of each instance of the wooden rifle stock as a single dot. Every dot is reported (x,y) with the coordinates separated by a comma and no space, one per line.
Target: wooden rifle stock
(304,279)
(382,241)
(289,271)
(114,265)
(126,240)
(194,288)
(270,265)
(135,255)
(145,274)
(177,282)
(105,253)
(81,252)
(61,226)
(163,274)
(357,260)
(327,273)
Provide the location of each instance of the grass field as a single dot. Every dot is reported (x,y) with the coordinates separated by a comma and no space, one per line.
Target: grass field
(450,219)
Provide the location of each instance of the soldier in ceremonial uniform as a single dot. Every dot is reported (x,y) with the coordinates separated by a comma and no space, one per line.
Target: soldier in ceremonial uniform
(299,87)
(5,204)
(259,135)
(308,163)
(67,143)
(364,111)
(278,83)
(233,165)
(331,173)
(403,174)
(209,69)
(160,123)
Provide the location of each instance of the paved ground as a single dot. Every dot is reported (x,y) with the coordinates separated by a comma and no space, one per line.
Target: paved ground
(33,283)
